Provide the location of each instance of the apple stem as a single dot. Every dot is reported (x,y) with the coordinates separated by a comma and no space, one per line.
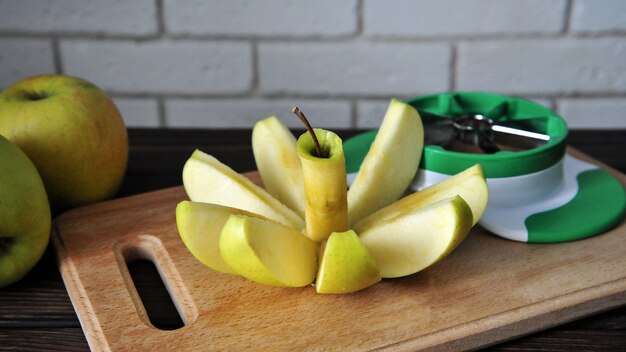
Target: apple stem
(302,118)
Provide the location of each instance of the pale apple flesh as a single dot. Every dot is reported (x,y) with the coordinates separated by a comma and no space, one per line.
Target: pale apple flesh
(267,252)
(72,132)
(207,180)
(391,163)
(272,244)
(416,240)
(200,226)
(345,265)
(470,184)
(325,185)
(25,217)
(277,161)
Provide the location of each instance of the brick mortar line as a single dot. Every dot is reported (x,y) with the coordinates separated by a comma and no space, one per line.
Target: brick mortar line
(354,114)
(56,55)
(454,51)
(165,37)
(160,18)
(256,73)
(349,98)
(161,114)
(567,18)
(360,12)
(552,104)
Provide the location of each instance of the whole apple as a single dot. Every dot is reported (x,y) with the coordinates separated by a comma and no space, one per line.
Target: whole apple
(72,132)
(24,214)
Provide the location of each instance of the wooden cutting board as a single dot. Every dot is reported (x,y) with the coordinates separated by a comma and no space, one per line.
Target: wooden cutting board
(489,290)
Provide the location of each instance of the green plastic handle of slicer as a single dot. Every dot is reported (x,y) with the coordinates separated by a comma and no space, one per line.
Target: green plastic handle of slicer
(500,164)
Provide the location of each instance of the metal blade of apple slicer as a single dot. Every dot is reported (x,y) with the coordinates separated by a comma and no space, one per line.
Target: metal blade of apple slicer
(485,132)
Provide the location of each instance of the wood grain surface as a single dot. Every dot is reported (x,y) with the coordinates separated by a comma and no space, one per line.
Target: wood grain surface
(489,290)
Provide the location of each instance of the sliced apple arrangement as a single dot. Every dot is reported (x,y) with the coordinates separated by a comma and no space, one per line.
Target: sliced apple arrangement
(307,227)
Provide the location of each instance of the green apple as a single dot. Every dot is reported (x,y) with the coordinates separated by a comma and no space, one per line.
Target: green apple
(345,265)
(418,239)
(470,184)
(325,184)
(24,214)
(267,252)
(267,241)
(208,180)
(277,161)
(199,226)
(390,164)
(72,132)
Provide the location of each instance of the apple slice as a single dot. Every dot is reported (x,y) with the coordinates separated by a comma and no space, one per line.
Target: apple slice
(345,265)
(325,184)
(207,180)
(277,160)
(418,239)
(200,225)
(267,252)
(470,184)
(391,163)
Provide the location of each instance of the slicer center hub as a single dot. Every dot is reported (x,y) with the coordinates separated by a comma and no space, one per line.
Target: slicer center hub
(468,123)
(475,130)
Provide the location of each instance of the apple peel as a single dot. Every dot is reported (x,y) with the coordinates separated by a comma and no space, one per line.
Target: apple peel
(345,265)
(267,252)
(389,238)
(200,226)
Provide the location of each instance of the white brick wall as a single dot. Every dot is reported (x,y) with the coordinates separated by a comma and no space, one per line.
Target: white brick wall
(161,66)
(609,113)
(137,17)
(424,18)
(544,66)
(228,63)
(139,112)
(22,57)
(353,68)
(243,112)
(261,18)
(599,15)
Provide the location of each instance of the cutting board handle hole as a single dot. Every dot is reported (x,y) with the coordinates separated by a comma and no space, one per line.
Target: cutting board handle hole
(155,299)
(160,299)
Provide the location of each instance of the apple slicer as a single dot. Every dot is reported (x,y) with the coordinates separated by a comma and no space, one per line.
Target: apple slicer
(537,192)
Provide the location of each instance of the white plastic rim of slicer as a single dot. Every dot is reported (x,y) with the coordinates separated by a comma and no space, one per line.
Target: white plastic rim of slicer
(513,199)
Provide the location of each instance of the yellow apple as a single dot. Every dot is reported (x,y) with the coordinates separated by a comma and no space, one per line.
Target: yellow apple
(345,265)
(267,241)
(199,226)
(267,252)
(277,161)
(72,132)
(325,184)
(419,238)
(24,214)
(470,184)
(390,164)
(208,180)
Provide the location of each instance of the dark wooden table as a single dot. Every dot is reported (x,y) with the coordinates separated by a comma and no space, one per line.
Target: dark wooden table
(36,313)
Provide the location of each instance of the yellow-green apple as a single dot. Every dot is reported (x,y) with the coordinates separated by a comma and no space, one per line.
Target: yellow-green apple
(470,184)
(199,226)
(390,164)
(345,265)
(207,180)
(418,238)
(274,148)
(72,132)
(267,252)
(267,241)
(325,184)
(24,214)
